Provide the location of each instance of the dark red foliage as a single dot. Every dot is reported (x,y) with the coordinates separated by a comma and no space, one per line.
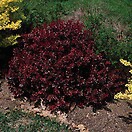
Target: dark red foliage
(57,63)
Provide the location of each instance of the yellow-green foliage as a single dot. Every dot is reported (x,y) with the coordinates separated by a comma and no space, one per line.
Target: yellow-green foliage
(11,40)
(128,93)
(8,8)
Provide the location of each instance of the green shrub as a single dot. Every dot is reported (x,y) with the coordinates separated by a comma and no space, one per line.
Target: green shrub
(111,24)
(40,11)
(105,40)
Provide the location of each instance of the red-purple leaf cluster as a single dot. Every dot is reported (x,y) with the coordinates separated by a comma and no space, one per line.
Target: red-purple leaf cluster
(57,63)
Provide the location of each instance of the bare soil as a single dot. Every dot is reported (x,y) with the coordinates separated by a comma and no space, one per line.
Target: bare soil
(6,98)
(117,119)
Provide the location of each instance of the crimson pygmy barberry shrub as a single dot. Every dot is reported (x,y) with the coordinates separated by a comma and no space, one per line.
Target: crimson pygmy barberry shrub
(57,63)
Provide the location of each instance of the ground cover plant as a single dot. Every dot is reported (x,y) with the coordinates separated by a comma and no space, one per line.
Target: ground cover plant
(17,120)
(40,11)
(57,63)
(110,22)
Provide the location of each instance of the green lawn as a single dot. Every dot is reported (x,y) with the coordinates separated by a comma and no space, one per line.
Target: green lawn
(18,121)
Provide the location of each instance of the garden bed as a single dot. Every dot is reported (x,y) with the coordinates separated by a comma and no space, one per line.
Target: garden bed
(117,118)
(94,76)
